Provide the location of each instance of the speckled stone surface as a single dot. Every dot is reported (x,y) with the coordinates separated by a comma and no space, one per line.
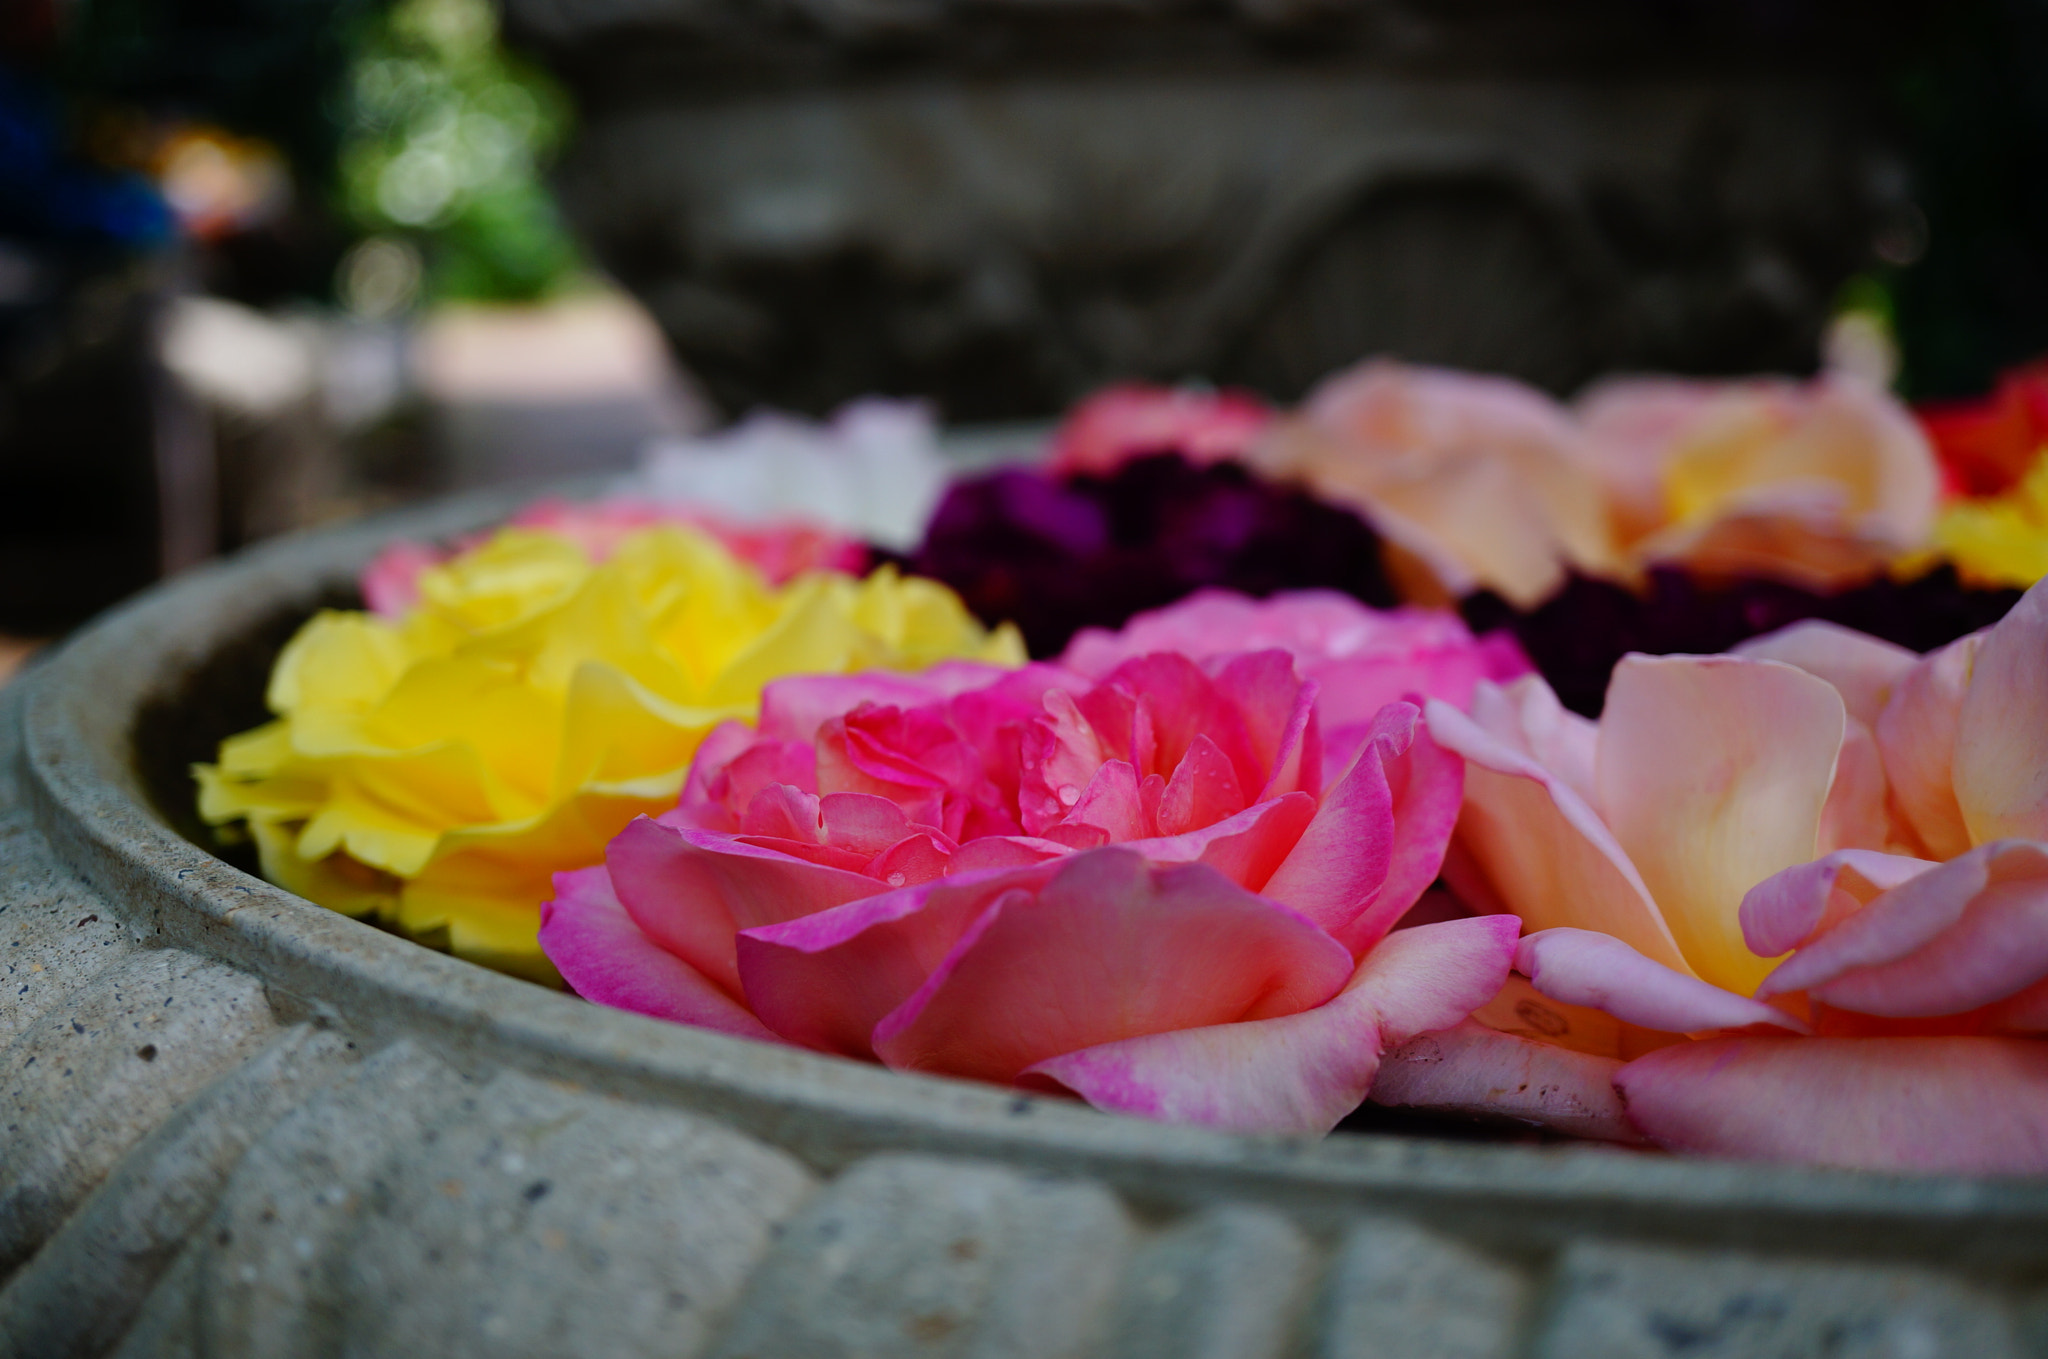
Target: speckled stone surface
(233,1123)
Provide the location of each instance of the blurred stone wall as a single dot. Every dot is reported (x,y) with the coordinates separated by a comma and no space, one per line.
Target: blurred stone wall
(1005,202)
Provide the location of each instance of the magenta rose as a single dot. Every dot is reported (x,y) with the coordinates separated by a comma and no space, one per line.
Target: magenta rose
(1140,888)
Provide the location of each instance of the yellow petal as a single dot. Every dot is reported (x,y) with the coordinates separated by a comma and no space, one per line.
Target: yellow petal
(1712,773)
(342,662)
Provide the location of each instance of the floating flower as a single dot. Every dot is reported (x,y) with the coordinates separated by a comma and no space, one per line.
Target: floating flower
(437,768)
(778,549)
(1361,659)
(1802,886)
(875,470)
(1136,419)
(1483,483)
(2000,540)
(1821,483)
(1140,889)
(1060,554)
(1987,444)
(1479,482)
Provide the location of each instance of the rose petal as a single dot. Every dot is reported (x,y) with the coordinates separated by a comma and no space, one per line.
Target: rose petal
(690,890)
(1245,848)
(1787,909)
(1857,813)
(1916,736)
(1863,669)
(1964,1105)
(1203,790)
(1953,938)
(826,980)
(1111,802)
(1299,1073)
(1713,772)
(1111,948)
(1428,787)
(1337,867)
(1580,967)
(600,952)
(1478,1072)
(2001,759)
(1540,850)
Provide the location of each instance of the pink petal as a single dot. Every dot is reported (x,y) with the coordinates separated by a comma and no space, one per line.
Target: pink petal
(1472,1070)
(1059,756)
(600,952)
(826,980)
(1787,909)
(1966,1105)
(1279,710)
(689,890)
(2001,759)
(1245,848)
(1580,967)
(731,765)
(1863,669)
(917,857)
(1111,802)
(391,582)
(1203,790)
(1379,837)
(1539,850)
(1953,938)
(1298,1073)
(861,822)
(1713,772)
(1428,787)
(1857,813)
(1003,851)
(1916,735)
(1182,703)
(784,813)
(794,708)
(1111,948)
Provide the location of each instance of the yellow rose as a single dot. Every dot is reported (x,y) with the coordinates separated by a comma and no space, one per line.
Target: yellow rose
(438,770)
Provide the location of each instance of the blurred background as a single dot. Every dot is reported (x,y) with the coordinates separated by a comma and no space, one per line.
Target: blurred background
(269,263)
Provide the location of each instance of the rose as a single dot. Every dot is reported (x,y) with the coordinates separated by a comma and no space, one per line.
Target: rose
(1478,481)
(779,550)
(435,770)
(1988,443)
(1881,818)
(1136,419)
(1481,482)
(1361,659)
(2000,540)
(1823,483)
(1140,889)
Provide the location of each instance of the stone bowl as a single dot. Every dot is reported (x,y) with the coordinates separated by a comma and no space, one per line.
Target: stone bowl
(239,1124)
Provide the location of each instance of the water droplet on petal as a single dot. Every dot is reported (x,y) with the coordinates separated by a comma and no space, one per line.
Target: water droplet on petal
(1069,795)
(896,879)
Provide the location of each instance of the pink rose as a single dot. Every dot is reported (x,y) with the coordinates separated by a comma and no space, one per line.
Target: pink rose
(1134,419)
(1360,658)
(1789,904)
(1138,888)
(779,550)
